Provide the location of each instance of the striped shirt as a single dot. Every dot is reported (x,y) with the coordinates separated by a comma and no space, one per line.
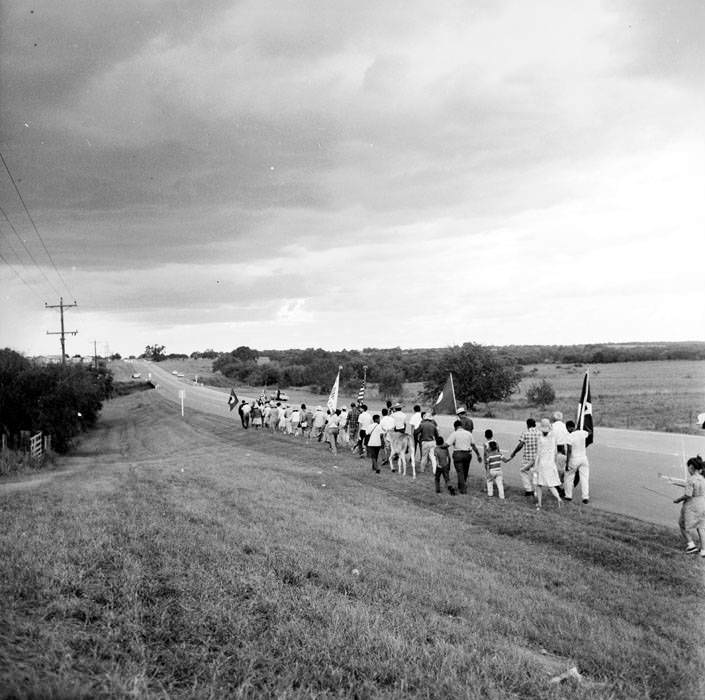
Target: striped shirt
(494,460)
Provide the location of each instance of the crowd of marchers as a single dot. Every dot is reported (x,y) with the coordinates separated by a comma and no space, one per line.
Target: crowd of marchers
(553,454)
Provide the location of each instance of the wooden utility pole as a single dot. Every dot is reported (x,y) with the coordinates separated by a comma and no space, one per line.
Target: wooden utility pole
(61,306)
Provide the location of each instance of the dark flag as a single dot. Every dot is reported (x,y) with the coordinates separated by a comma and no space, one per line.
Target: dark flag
(445,403)
(584,420)
(232,399)
(361,393)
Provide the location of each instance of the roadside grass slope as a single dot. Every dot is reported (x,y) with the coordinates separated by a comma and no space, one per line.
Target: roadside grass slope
(188,558)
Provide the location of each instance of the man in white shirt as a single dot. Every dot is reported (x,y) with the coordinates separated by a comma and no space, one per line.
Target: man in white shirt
(414,423)
(400,418)
(576,461)
(364,421)
(462,443)
(386,425)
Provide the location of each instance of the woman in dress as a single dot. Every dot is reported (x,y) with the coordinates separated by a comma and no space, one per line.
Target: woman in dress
(545,467)
(693,510)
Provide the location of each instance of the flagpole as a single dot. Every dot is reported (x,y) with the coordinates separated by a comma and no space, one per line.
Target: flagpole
(452,386)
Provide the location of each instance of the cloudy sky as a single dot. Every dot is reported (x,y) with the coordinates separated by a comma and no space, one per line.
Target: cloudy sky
(349,174)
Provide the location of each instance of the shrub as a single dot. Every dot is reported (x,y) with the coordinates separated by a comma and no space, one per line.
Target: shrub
(56,399)
(541,393)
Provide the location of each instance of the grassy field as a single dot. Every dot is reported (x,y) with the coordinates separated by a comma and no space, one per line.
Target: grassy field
(664,395)
(186,558)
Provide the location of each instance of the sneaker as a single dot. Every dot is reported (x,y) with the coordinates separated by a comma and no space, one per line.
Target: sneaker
(565,498)
(691,548)
(585,501)
(702,552)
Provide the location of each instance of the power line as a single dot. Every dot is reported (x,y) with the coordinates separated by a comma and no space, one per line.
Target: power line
(12,267)
(29,252)
(34,226)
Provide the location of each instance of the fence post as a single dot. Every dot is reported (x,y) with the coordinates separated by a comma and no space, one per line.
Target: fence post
(36,450)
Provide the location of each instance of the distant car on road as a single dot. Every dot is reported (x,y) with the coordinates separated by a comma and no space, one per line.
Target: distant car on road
(174,372)
(136,375)
(180,374)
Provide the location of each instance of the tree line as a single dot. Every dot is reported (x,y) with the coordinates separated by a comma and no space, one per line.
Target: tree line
(60,400)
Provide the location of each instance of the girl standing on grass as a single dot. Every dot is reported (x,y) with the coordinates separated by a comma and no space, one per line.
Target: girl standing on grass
(692,515)
(545,467)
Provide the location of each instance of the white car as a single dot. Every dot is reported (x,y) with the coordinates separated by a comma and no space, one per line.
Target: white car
(174,372)
(136,375)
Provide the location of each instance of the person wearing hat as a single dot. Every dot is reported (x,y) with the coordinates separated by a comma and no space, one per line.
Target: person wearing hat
(465,419)
(545,469)
(319,421)
(462,443)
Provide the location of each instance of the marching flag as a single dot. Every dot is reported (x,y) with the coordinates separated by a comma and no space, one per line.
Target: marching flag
(333,398)
(361,393)
(701,420)
(445,403)
(232,399)
(584,419)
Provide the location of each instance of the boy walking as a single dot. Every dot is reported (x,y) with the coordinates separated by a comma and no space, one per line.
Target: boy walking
(441,468)
(494,461)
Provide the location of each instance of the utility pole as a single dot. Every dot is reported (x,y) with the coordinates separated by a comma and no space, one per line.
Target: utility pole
(61,306)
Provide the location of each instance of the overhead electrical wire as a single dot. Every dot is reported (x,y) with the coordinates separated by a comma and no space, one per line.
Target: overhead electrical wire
(29,252)
(27,284)
(34,226)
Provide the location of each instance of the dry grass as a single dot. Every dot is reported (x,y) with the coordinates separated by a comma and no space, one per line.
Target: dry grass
(184,558)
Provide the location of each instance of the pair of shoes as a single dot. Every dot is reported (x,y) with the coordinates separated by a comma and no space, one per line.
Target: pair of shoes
(691,548)
(585,501)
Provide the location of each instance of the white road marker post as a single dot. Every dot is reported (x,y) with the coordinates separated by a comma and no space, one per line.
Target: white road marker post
(182,396)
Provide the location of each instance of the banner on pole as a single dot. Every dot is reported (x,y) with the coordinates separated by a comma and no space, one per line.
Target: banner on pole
(445,403)
(333,398)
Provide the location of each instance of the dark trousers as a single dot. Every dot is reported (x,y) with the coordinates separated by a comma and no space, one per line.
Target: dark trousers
(373,451)
(361,443)
(445,473)
(461,462)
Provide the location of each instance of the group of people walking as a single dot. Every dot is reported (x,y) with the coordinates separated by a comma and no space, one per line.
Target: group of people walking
(554,454)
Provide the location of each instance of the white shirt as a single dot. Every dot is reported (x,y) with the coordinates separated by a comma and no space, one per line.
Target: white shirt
(364,420)
(415,420)
(560,432)
(333,420)
(576,440)
(399,418)
(375,435)
(343,417)
(387,423)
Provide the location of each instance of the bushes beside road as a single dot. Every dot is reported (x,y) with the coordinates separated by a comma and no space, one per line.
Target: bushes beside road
(58,400)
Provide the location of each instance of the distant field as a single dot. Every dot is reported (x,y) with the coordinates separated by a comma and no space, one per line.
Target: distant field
(663,395)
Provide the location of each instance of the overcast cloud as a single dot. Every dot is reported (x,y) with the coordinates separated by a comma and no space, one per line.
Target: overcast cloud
(283,174)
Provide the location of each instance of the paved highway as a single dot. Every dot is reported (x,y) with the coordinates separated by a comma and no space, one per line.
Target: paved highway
(624,464)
